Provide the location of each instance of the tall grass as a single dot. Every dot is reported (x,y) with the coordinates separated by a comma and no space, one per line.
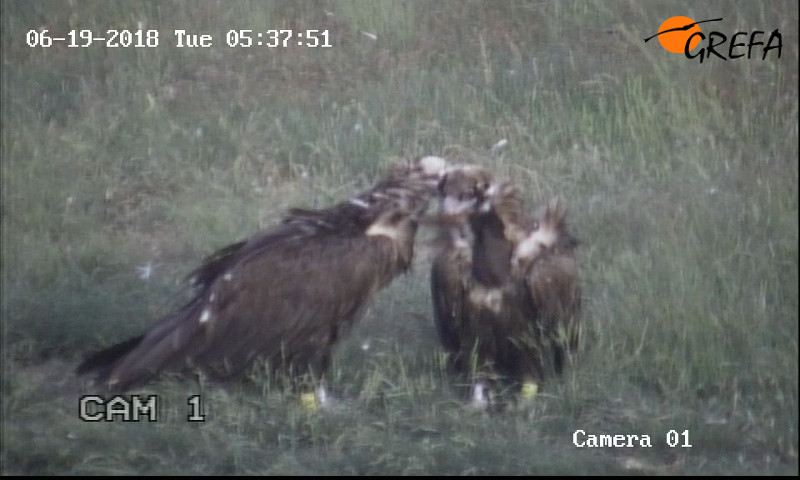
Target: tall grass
(681,180)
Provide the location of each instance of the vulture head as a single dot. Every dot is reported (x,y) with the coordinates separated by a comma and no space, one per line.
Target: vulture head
(461,189)
(546,233)
(428,170)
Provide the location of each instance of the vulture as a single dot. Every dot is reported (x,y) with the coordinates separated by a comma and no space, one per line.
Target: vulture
(285,296)
(504,285)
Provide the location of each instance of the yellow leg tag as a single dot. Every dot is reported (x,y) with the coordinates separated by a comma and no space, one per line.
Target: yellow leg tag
(529,390)
(309,401)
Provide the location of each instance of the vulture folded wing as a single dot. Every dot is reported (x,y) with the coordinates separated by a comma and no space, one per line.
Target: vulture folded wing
(448,294)
(556,296)
(215,264)
(296,297)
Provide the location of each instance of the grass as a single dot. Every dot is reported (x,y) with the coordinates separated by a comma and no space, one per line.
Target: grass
(681,178)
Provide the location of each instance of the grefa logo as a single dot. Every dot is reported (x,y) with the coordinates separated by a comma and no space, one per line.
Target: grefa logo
(682,35)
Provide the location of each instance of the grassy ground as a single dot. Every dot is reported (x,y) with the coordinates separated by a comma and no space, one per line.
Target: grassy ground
(681,178)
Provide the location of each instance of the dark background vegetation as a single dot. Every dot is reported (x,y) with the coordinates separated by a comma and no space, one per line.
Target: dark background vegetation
(681,179)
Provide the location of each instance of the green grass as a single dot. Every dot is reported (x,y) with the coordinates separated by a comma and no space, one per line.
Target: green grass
(681,179)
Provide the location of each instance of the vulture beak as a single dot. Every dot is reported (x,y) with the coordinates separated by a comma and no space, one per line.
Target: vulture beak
(432,168)
(463,189)
(425,171)
(546,232)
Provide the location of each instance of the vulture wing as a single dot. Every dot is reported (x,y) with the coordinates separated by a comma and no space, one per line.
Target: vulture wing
(448,291)
(555,293)
(289,303)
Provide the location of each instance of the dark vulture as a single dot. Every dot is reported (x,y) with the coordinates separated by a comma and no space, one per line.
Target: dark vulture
(504,285)
(286,295)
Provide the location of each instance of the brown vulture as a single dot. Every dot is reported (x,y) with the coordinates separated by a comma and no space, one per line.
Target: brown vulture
(286,295)
(504,285)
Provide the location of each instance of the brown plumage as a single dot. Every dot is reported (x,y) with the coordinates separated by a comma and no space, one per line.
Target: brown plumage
(551,276)
(504,286)
(286,295)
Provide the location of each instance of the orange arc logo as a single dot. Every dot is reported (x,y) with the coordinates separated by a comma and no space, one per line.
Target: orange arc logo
(675,36)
